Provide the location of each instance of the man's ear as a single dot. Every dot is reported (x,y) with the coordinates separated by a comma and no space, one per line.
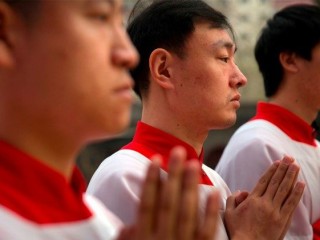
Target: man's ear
(289,62)
(159,65)
(8,23)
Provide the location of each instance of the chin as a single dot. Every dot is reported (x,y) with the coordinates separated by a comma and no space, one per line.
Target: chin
(111,128)
(111,133)
(226,123)
(120,125)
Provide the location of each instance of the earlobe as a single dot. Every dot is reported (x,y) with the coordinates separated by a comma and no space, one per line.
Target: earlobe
(7,18)
(289,61)
(159,65)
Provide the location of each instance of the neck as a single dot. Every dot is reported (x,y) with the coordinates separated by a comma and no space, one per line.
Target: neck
(41,141)
(294,95)
(296,106)
(52,156)
(38,130)
(166,120)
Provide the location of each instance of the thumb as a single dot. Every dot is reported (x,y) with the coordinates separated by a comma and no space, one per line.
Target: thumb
(231,201)
(126,233)
(240,197)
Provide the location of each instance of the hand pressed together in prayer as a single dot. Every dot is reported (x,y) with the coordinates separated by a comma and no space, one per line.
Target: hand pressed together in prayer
(169,207)
(266,212)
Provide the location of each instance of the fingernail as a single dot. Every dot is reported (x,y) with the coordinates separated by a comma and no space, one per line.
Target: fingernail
(288,160)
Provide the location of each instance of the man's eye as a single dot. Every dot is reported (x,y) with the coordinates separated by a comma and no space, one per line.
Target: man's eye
(103,17)
(225,59)
(100,15)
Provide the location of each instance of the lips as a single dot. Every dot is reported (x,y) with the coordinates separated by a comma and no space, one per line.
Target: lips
(126,84)
(236,101)
(236,98)
(126,87)
(125,91)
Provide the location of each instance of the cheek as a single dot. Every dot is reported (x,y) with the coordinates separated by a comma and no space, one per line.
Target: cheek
(198,80)
(117,117)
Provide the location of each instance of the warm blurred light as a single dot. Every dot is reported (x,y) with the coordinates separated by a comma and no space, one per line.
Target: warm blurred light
(278,4)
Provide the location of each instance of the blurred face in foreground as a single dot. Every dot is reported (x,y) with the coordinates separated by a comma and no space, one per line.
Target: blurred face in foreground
(69,68)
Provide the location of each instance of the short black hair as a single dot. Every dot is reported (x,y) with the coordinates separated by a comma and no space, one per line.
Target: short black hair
(295,29)
(25,8)
(167,24)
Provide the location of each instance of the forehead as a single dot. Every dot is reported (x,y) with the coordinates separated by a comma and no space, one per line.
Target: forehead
(59,11)
(112,3)
(83,3)
(205,35)
(316,49)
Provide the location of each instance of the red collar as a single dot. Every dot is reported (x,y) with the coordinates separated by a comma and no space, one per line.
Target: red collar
(296,128)
(37,192)
(316,230)
(149,141)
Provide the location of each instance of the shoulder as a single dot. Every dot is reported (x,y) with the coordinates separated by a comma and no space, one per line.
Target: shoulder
(259,130)
(256,138)
(122,161)
(119,167)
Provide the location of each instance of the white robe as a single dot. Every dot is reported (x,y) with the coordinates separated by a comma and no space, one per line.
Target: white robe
(253,148)
(118,180)
(102,225)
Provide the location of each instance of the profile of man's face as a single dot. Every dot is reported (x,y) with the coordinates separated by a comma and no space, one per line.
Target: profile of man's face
(72,65)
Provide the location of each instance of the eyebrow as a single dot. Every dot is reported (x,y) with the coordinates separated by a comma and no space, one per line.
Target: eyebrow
(110,2)
(225,44)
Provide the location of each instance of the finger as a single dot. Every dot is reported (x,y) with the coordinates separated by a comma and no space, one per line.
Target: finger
(171,194)
(208,229)
(285,229)
(127,233)
(286,185)
(240,197)
(278,177)
(263,182)
(231,201)
(149,195)
(187,221)
(288,224)
(230,211)
(292,201)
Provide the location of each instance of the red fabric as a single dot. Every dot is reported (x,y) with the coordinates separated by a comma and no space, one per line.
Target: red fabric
(38,193)
(296,128)
(316,230)
(150,141)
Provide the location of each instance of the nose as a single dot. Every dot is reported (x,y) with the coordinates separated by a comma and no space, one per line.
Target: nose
(124,54)
(239,79)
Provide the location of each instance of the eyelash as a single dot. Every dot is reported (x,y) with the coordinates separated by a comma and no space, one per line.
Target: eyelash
(225,59)
(103,17)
